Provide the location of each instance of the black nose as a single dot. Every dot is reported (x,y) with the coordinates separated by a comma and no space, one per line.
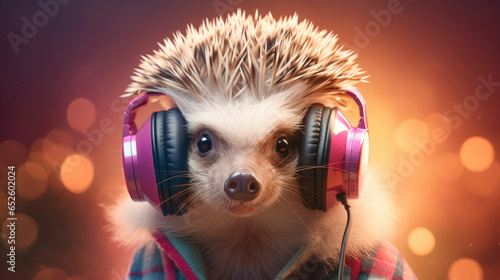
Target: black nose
(242,186)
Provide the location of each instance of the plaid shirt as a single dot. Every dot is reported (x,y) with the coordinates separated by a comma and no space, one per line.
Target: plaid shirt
(174,258)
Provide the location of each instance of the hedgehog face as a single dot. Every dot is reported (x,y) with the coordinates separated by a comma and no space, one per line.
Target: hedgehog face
(243,155)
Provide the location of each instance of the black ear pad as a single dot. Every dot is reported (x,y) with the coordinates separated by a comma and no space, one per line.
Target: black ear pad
(170,154)
(314,150)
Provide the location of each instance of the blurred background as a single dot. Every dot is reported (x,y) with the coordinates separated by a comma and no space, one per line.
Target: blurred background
(433,103)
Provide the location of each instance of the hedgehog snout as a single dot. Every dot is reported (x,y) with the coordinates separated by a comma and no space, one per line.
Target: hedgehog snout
(242,186)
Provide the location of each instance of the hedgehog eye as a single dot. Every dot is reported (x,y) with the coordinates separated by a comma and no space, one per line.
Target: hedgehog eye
(204,145)
(282,147)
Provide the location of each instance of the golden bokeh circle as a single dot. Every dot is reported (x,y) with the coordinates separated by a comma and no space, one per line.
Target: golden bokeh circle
(26,231)
(13,152)
(440,124)
(51,273)
(484,183)
(78,277)
(36,146)
(31,180)
(465,269)
(477,154)
(81,114)
(421,241)
(77,173)
(3,201)
(54,152)
(409,133)
(448,167)
(59,136)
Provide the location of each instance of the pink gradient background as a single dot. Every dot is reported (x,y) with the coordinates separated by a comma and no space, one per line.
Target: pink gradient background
(427,58)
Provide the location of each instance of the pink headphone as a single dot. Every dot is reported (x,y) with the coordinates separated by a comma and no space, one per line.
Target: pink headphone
(332,155)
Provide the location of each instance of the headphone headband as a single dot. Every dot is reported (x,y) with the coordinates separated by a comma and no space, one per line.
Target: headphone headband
(129,126)
(360,101)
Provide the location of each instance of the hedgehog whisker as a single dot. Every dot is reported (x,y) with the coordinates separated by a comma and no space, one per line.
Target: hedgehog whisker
(176,195)
(286,200)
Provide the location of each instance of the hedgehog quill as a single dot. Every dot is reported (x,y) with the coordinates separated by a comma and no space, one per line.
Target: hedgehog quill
(249,171)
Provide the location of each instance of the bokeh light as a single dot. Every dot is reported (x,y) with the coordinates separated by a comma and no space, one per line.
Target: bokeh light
(31,180)
(59,136)
(37,145)
(37,155)
(477,154)
(77,173)
(421,241)
(81,114)
(78,277)
(26,232)
(51,273)
(409,132)
(440,124)
(3,201)
(448,167)
(13,152)
(53,152)
(465,269)
(484,183)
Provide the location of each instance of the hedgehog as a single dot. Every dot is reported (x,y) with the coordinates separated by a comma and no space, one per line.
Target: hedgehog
(243,85)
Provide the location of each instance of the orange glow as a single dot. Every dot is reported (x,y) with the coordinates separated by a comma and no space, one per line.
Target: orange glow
(39,158)
(53,152)
(465,269)
(51,273)
(36,170)
(37,145)
(59,136)
(78,277)
(448,167)
(31,180)
(438,122)
(26,231)
(77,173)
(13,152)
(3,201)
(416,87)
(81,114)
(410,131)
(382,146)
(421,241)
(477,154)
(484,183)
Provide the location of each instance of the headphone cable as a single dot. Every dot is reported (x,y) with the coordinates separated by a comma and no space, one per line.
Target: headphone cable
(343,199)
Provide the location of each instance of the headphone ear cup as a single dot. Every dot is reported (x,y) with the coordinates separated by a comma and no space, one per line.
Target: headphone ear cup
(314,149)
(357,152)
(170,155)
